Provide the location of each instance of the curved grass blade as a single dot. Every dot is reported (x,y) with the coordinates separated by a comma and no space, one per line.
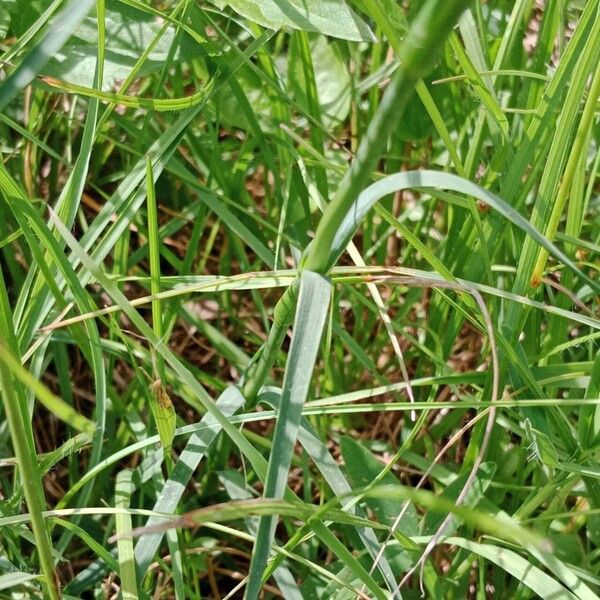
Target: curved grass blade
(31,222)
(58,407)
(425,179)
(102,553)
(515,565)
(158,105)
(417,57)
(162,104)
(21,432)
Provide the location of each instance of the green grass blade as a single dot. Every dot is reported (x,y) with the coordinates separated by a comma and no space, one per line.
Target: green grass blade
(424,179)
(313,303)
(432,25)
(168,499)
(58,407)
(124,488)
(16,578)
(17,415)
(336,480)
(349,560)
(515,565)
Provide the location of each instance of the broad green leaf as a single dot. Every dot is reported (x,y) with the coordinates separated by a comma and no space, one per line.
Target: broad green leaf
(58,33)
(128,33)
(331,79)
(541,446)
(484,477)
(363,467)
(330,17)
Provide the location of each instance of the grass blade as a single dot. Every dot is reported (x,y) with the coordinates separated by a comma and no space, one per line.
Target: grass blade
(17,415)
(313,303)
(124,488)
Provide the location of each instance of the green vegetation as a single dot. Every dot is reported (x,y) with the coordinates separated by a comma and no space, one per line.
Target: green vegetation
(300,298)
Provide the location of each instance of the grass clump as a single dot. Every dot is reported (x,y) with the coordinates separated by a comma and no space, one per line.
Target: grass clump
(299,303)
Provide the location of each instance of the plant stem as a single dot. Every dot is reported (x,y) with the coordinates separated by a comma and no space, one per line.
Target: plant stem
(19,424)
(417,57)
(259,369)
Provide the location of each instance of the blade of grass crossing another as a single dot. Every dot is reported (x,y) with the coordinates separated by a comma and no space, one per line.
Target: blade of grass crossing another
(35,28)
(67,206)
(346,556)
(184,374)
(311,312)
(417,57)
(36,230)
(555,163)
(515,565)
(168,499)
(236,488)
(577,150)
(335,478)
(58,407)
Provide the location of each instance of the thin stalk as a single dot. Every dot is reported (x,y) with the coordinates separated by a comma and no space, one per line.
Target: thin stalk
(160,403)
(154,256)
(259,369)
(19,425)
(417,56)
